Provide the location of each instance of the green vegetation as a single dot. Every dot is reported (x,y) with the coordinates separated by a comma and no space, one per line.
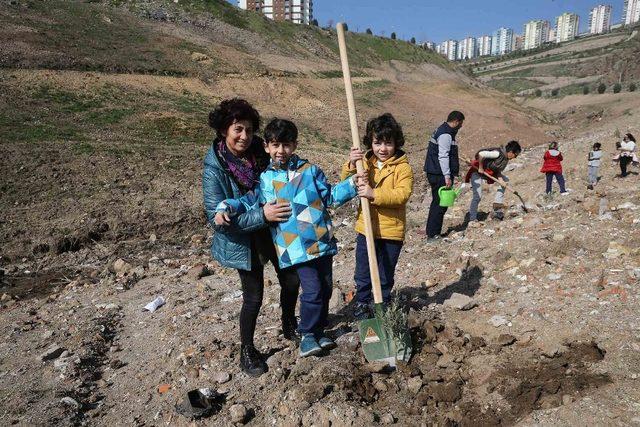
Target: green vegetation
(513,85)
(597,59)
(632,87)
(573,89)
(602,88)
(334,74)
(365,51)
(92,36)
(617,88)
(47,114)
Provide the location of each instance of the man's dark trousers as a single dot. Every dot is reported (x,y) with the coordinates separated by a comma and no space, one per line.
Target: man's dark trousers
(436,212)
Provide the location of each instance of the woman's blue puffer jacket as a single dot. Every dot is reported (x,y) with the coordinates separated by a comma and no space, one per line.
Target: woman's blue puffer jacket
(231,245)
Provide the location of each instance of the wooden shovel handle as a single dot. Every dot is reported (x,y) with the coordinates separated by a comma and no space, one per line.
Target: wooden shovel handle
(355,136)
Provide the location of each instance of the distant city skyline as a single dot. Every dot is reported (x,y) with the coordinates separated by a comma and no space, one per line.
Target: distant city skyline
(438,21)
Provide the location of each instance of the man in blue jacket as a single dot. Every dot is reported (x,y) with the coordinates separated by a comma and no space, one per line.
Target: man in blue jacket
(441,166)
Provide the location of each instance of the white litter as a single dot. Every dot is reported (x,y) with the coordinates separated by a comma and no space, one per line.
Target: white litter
(155,304)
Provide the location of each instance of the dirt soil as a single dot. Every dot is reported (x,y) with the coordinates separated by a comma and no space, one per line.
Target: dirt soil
(99,219)
(560,283)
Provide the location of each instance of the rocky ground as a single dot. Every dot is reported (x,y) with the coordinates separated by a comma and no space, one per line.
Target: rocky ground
(532,320)
(528,321)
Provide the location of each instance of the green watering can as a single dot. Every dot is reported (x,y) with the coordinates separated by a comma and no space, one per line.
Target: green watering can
(448,196)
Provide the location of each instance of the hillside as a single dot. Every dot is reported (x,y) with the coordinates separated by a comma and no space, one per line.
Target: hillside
(103,130)
(564,80)
(103,105)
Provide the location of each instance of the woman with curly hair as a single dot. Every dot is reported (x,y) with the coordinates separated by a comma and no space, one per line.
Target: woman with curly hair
(231,169)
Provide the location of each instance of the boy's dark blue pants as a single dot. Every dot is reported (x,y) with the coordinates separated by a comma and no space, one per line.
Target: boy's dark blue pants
(316,281)
(387,253)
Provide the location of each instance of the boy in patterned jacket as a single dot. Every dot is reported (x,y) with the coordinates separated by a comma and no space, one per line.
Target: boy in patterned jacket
(305,241)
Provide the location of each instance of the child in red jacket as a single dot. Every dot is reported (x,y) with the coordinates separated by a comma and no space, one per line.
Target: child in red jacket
(552,166)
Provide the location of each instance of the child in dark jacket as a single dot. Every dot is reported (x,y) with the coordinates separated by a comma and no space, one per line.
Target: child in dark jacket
(552,167)
(304,242)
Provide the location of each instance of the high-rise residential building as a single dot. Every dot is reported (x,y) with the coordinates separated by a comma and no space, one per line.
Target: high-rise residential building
(468,48)
(484,45)
(518,42)
(631,12)
(450,49)
(600,19)
(502,41)
(536,33)
(296,11)
(429,45)
(552,36)
(567,27)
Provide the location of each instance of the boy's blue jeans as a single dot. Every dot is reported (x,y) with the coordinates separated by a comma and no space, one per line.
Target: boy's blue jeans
(387,253)
(316,281)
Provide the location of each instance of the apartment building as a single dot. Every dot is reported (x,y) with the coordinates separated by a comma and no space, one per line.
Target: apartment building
(502,41)
(567,26)
(518,42)
(468,48)
(600,19)
(536,33)
(449,49)
(429,45)
(631,12)
(296,11)
(484,45)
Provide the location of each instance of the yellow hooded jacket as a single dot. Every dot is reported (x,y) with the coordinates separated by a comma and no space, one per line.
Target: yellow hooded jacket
(392,186)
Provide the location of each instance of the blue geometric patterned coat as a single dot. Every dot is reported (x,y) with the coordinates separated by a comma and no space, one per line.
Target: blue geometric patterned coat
(308,233)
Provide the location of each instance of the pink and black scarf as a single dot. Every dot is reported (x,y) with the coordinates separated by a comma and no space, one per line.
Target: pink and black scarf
(244,169)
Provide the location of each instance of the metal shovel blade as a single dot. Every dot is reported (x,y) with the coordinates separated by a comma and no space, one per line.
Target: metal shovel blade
(380,343)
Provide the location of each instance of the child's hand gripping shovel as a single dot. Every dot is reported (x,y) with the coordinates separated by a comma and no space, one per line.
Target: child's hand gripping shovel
(382,339)
(502,183)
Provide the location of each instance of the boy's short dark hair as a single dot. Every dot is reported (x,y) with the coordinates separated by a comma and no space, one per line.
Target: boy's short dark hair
(280,130)
(455,116)
(597,146)
(383,128)
(232,110)
(513,147)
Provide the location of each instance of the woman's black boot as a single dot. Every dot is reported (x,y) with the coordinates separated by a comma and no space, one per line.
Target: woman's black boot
(290,329)
(251,361)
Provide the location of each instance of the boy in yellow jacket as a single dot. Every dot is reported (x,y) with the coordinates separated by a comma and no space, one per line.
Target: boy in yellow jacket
(389,186)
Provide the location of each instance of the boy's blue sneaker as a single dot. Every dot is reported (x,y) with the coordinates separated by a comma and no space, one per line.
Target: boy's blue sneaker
(326,343)
(309,346)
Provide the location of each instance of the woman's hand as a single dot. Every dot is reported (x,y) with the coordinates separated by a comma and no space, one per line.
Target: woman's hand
(276,212)
(222,218)
(354,155)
